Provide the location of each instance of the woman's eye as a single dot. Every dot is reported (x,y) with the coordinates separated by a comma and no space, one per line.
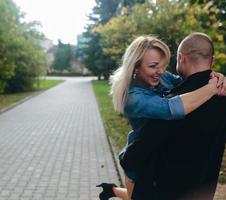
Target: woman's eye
(152,66)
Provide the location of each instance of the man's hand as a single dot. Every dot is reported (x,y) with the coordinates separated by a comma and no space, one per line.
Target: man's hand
(223,88)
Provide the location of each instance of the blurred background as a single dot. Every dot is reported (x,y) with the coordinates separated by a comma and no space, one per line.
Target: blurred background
(89,37)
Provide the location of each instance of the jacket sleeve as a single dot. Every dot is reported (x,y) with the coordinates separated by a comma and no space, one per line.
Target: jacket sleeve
(144,105)
(170,80)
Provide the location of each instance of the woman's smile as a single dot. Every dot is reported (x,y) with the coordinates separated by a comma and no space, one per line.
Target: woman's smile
(150,70)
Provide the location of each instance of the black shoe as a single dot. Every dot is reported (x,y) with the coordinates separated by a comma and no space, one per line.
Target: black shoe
(107,191)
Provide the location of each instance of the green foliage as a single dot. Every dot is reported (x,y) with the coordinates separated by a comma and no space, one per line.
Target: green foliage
(114,38)
(8,100)
(8,21)
(21,57)
(62,57)
(104,10)
(117,127)
(90,50)
(102,45)
(215,25)
(30,60)
(150,18)
(128,4)
(93,56)
(99,63)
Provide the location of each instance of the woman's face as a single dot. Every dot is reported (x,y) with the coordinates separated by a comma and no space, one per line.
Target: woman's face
(151,68)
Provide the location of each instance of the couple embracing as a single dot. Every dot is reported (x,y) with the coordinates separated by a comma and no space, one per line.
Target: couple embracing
(175,149)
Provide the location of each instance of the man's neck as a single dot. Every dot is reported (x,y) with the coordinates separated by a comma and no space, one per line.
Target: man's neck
(192,82)
(195,69)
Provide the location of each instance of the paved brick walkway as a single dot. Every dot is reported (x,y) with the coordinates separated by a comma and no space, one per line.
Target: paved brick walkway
(220,193)
(53,146)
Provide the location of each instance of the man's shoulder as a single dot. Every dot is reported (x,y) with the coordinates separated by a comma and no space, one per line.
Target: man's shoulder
(218,101)
(213,111)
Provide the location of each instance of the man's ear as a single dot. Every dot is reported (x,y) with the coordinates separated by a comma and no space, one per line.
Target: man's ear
(181,58)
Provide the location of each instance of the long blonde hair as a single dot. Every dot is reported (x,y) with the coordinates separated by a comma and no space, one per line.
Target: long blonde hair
(122,77)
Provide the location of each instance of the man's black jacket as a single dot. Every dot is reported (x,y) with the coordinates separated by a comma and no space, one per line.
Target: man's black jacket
(180,159)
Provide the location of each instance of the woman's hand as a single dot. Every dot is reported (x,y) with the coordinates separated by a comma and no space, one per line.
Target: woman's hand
(221,83)
(213,84)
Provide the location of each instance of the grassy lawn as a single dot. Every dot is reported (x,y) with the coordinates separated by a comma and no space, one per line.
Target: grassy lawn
(7,100)
(222,177)
(45,84)
(116,126)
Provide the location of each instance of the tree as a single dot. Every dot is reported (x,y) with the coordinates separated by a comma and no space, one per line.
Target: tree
(21,57)
(8,20)
(90,49)
(89,52)
(150,18)
(114,38)
(103,11)
(30,59)
(62,56)
(129,3)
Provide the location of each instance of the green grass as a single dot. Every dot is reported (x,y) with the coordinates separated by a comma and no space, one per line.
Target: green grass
(116,126)
(7,100)
(44,84)
(222,178)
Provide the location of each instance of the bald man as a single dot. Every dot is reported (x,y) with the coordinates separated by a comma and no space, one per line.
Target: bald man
(180,160)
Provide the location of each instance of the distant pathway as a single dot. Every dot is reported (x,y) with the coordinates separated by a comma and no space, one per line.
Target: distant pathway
(53,146)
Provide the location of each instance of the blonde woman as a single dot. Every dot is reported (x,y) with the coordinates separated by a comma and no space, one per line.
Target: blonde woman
(138,87)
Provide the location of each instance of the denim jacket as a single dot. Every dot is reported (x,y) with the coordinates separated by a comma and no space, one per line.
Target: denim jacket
(144,102)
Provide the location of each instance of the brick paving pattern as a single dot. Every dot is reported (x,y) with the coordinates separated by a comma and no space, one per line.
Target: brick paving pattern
(53,146)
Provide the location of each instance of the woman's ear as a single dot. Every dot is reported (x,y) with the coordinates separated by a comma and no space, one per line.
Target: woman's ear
(135,72)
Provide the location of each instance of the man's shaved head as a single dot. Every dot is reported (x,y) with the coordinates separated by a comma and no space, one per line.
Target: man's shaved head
(197,46)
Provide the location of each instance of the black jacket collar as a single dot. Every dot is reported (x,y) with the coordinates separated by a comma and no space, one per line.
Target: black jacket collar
(193,82)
